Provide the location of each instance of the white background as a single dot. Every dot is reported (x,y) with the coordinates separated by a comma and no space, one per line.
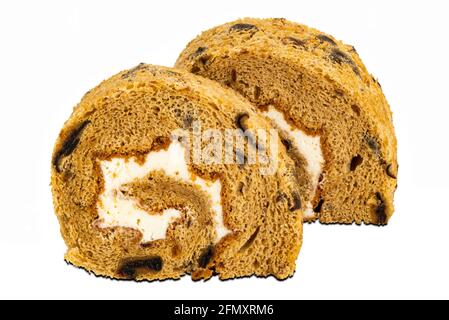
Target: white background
(52,52)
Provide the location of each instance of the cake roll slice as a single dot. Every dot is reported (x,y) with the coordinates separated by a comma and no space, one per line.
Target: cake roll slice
(332,114)
(159,173)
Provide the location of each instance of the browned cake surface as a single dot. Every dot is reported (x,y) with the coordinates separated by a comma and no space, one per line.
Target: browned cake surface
(321,86)
(134,113)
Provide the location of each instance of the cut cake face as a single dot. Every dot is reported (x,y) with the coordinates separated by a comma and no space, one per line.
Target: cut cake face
(159,173)
(332,114)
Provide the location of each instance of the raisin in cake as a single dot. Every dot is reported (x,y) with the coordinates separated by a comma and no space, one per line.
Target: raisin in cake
(334,118)
(132,204)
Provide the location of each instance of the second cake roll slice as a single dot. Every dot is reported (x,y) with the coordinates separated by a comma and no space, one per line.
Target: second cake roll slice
(334,118)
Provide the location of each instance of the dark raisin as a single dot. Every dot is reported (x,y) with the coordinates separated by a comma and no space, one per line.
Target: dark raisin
(154,264)
(391,172)
(340,57)
(206,257)
(295,42)
(69,144)
(204,58)
(133,71)
(377,82)
(324,38)
(195,70)
(257,92)
(372,144)
(240,121)
(251,239)
(145,245)
(243,27)
(355,162)
(287,144)
(380,210)
(127,271)
(321,178)
(356,109)
(198,52)
(319,206)
(233,75)
(296,205)
(129,268)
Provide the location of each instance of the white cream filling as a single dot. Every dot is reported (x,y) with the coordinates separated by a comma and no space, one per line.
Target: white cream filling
(309,147)
(116,210)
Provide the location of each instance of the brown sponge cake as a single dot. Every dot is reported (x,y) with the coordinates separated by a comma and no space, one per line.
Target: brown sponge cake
(332,112)
(134,203)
